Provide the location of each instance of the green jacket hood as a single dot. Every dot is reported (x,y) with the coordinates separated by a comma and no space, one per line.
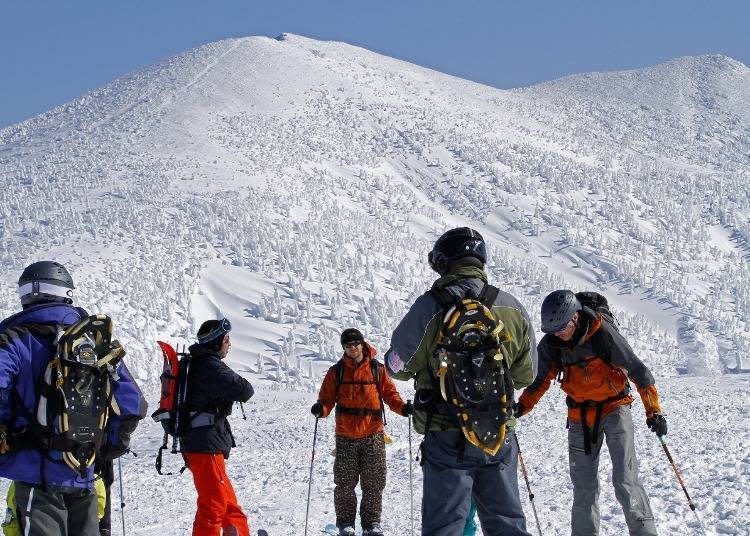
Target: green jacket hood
(458,273)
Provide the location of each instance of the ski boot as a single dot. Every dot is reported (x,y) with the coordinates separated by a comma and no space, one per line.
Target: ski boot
(346,530)
(373,530)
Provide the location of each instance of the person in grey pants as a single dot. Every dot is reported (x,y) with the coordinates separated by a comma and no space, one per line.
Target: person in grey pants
(595,365)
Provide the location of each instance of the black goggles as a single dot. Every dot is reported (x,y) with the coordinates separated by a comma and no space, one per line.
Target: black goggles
(224,327)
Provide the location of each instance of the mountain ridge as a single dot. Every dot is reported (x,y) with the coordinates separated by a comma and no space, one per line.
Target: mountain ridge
(570,190)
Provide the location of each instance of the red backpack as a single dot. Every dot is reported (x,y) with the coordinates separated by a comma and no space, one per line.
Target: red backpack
(172,415)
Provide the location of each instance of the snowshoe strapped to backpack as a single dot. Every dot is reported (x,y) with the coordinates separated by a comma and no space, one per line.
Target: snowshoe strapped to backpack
(473,368)
(172,415)
(75,397)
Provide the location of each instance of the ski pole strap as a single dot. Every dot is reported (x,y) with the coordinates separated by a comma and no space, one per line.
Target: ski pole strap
(159,459)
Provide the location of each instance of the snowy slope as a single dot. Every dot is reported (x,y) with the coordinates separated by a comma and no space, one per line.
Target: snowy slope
(296,186)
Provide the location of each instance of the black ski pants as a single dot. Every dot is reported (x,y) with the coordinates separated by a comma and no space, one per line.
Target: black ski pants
(56,510)
(454,471)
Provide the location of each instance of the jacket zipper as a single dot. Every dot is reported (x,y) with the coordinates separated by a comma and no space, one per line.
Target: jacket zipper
(611,385)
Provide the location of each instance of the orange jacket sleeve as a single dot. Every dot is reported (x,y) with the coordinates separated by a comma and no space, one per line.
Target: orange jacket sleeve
(650,398)
(327,395)
(390,393)
(534,392)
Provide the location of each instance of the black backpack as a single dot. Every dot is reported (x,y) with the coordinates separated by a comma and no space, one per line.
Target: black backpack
(473,376)
(599,304)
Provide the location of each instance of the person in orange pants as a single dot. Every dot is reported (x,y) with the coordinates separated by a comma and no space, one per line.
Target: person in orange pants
(212,388)
(217,504)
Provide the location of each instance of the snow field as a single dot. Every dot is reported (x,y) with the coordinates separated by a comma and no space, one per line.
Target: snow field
(296,186)
(708,438)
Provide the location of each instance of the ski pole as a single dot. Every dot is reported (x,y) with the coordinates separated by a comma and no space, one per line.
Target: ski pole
(528,486)
(122,496)
(309,484)
(679,479)
(411,480)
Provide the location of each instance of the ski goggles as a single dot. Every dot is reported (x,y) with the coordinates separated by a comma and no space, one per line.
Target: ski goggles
(38,288)
(224,327)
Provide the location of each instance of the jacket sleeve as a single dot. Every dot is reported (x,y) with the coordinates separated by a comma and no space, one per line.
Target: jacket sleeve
(390,394)
(327,395)
(622,356)
(10,365)
(131,408)
(544,376)
(523,368)
(230,385)
(413,338)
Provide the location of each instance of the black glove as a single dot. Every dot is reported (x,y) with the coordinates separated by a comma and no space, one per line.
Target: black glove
(408,409)
(518,409)
(317,409)
(658,424)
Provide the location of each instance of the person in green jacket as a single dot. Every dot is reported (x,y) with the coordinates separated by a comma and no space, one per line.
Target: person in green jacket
(453,469)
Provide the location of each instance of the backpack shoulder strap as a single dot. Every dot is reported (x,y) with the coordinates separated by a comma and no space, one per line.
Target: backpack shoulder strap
(339,366)
(444,298)
(375,367)
(488,295)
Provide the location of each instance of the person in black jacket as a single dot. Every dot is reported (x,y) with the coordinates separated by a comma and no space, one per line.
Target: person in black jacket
(212,389)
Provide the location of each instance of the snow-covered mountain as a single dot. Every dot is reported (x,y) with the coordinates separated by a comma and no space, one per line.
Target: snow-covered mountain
(297,185)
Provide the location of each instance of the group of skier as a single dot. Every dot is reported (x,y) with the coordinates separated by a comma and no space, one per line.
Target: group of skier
(68,406)
(467,346)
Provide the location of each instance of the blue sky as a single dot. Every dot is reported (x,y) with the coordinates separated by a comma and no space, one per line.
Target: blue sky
(53,51)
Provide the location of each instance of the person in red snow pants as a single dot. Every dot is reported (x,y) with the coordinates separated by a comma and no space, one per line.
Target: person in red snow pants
(212,388)
(217,504)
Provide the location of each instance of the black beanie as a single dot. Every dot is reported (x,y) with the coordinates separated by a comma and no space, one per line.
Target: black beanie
(351,335)
(207,327)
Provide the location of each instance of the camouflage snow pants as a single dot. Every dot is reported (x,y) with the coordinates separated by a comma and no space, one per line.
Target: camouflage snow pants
(359,460)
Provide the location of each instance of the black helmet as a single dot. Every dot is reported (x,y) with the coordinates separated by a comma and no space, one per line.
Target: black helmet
(45,281)
(557,310)
(456,244)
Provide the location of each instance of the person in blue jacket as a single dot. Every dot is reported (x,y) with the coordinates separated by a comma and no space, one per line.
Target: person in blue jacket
(52,498)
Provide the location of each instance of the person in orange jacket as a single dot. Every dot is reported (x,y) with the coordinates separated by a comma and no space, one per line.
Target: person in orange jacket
(595,365)
(357,386)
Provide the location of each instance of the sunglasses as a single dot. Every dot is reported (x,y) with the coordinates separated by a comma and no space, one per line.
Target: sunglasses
(352,344)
